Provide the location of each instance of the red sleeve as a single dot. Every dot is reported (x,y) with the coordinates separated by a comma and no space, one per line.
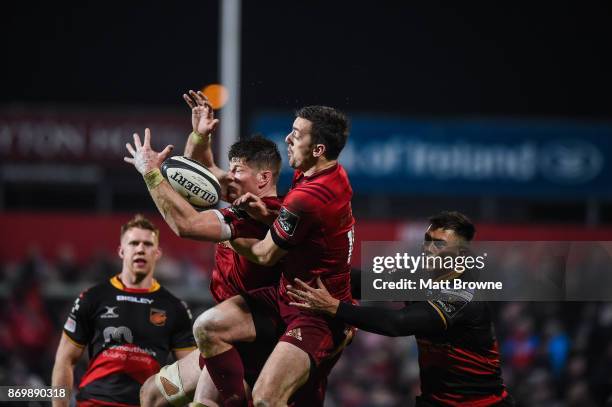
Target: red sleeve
(242,225)
(296,218)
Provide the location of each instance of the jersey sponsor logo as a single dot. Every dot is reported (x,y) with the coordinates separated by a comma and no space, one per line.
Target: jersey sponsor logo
(450,307)
(295,333)
(120,334)
(447,307)
(288,221)
(70,325)
(110,312)
(158,317)
(138,300)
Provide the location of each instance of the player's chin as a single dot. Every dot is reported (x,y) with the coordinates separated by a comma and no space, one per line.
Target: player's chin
(232,196)
(233,193)
(141,268)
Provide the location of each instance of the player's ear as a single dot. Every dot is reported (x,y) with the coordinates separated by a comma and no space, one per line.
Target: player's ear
(158,253)
(264,177)
(318,150)
(120,251)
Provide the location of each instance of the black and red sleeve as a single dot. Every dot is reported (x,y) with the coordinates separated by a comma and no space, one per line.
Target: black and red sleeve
(182,335)
(79,324)
(415,319)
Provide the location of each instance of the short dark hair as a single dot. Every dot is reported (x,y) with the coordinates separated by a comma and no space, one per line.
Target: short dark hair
(139,221)
(456,221)
(257,150)
(330,127)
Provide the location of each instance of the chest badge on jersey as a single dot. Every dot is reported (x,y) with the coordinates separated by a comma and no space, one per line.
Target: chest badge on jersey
(110,312)
(288,221)
(158,317)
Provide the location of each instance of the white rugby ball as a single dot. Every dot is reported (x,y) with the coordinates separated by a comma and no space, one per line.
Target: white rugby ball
(192,181)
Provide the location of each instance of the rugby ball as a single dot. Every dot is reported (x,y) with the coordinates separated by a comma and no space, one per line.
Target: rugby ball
(192,181)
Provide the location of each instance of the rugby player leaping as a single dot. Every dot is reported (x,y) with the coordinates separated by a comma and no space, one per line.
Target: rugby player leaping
(313,235)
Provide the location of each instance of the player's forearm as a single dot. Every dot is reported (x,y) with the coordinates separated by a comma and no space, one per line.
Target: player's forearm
(412,320)
(185,221)
(62,376)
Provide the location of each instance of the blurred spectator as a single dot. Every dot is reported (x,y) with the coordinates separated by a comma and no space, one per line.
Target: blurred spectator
(520,348)
(65,265)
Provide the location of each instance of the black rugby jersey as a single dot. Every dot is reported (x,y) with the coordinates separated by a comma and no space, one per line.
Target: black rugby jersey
(459,356)
(129,334)
(461,364)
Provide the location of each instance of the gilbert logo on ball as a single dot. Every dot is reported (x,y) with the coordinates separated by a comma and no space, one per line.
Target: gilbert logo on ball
(192,181)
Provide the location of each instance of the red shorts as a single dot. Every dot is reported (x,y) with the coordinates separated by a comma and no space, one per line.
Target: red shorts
(318,336)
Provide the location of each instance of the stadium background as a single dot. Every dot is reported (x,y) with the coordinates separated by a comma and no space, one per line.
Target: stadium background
(431,88)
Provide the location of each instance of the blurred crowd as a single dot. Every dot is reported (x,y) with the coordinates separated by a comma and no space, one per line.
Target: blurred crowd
(553,353)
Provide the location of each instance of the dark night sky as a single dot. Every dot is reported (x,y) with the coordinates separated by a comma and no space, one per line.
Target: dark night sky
(430,58)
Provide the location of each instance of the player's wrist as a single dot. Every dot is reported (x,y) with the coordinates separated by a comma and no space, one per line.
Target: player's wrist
(199,138)
(153,178)
(333,307)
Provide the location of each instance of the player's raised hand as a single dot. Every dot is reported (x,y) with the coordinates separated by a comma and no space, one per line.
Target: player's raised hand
(202,116)
(143,157)
(313,299)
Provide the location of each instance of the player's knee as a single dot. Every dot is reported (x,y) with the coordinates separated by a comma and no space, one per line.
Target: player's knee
(207,329)
(259,402)
(150,395)
(265,396)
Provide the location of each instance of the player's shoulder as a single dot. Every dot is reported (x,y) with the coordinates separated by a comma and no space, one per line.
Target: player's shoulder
(309,196)
(453,303)
(163,292)
(91,297)
(170,297)
(98,290)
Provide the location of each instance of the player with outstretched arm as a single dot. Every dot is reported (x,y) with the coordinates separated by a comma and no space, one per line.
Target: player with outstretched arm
(458,351)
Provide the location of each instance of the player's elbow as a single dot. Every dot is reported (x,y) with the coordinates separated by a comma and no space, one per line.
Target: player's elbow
(266,260)
(266,256)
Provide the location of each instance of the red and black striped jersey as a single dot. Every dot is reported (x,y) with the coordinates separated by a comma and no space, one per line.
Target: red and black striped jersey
(129,334)
(316,226)
(234,274)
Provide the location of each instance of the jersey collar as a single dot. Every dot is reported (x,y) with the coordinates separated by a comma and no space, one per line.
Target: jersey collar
(301,176)
(118,284)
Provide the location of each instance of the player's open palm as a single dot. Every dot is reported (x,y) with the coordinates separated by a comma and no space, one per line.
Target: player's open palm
(202,116)
(143,157)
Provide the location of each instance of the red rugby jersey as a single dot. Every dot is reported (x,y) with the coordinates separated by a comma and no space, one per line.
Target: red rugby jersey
(234,274)
(316,226)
